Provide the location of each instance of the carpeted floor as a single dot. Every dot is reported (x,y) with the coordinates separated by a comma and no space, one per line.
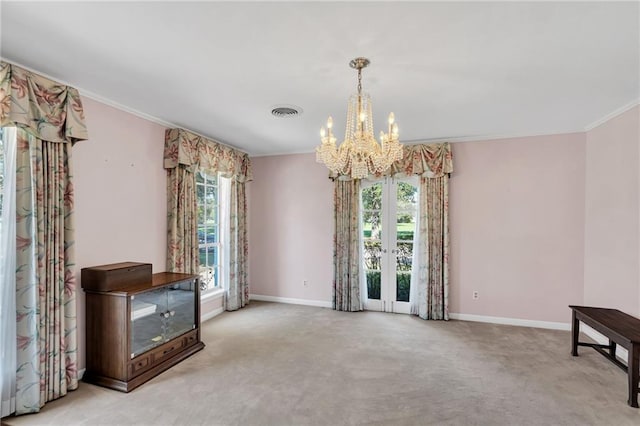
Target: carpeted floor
(275,364)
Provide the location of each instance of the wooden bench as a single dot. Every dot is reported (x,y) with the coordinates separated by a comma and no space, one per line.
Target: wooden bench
(621,329)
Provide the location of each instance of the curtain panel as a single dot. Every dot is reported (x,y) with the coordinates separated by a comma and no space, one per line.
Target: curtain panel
(49,119)
(347,253)
(238,294)
(182,250)
(430,284)
(187,152)
(432,279)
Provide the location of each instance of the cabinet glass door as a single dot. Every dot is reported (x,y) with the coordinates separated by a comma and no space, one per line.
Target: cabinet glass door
(148,322)
(181,306)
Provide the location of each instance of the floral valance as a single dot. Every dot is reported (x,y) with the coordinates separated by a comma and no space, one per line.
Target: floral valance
(47,109)
(429,160)
(194,151)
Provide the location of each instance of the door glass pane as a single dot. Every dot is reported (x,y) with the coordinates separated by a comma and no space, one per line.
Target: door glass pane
(372,197)
(407,205)
(373,284)
(372,233)
(407,196)
(372,225)
(372,264)
(404,259)
(403,286)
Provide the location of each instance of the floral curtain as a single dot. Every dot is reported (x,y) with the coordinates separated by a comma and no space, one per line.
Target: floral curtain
(238,294)
(430,284)
(189,152)
(347,249)
(182,238)
(195,151)
(49,120)
(429,160)
(430,280)
(46,109)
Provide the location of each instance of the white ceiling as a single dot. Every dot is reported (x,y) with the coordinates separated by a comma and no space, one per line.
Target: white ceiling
(447,70)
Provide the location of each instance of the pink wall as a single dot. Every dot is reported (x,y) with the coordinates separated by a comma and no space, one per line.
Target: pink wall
(612,214)
(120,194)
(516,227)
(290,228)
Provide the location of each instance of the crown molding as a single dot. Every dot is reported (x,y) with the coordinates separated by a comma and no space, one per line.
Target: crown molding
(480,138)
(612,114)
(119,106)
(277,154)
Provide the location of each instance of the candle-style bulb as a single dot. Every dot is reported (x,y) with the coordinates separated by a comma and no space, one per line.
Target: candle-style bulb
(330,122)
(323,132)
(392,118)
(363,116)
(381,136)
(394,129)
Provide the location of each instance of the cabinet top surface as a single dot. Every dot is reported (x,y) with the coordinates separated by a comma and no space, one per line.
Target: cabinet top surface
(157,280)
(114,266)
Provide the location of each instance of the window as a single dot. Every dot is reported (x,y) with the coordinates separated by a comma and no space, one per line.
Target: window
(207,194)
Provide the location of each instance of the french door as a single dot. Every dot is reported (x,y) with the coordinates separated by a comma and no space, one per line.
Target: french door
(389,209)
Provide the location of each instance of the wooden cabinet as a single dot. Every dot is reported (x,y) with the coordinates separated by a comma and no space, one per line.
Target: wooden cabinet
(138,329)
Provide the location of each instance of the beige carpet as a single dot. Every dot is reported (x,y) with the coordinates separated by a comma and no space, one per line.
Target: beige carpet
(274,364)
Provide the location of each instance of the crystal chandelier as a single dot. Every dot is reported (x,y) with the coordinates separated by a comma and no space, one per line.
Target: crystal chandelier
(359,155)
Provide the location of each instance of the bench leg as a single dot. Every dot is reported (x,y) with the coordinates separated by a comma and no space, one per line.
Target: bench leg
(575,332)
(612,349)
(634,371)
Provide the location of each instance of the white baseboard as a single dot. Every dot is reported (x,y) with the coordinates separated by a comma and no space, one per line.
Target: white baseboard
(263,298)
(81,373)
(512,321)
(211,314)
(621,353)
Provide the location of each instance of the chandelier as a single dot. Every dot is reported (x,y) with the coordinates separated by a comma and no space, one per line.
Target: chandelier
(359,155)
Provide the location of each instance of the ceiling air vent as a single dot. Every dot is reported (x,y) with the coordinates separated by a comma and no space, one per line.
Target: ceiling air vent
(285,111)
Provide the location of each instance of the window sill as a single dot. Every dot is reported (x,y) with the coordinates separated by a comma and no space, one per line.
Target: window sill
(213,294)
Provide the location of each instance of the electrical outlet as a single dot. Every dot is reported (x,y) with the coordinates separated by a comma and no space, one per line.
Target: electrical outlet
(305,283)
(475,295)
